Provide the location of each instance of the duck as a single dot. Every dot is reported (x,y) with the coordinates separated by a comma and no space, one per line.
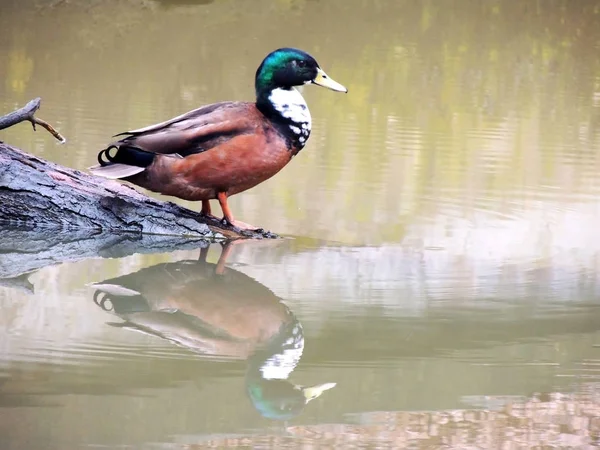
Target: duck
(218,313)
(222,149)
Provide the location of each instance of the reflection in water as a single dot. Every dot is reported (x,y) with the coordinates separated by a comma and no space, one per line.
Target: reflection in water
(543,421)
(216,311)
(395,343)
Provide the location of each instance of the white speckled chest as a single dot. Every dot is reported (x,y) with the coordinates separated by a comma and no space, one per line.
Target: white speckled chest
(292,106)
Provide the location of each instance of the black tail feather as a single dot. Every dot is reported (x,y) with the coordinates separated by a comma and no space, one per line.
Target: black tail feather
(126,154)
(106,154)
(121,304)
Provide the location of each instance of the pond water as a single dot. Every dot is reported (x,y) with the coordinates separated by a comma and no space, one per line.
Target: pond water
(438,286)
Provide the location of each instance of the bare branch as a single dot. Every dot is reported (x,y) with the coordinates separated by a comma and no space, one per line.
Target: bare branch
(26,113)
(50,128)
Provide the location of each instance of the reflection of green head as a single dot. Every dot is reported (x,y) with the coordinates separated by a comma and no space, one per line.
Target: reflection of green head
(280,399)
(268,369)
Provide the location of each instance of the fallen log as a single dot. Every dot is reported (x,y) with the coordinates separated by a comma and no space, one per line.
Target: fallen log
(36,192)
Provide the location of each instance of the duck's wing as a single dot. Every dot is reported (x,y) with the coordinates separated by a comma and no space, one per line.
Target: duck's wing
(195,131)
(205,111)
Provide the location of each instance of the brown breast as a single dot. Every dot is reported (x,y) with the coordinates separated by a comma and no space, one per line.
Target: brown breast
(234,166)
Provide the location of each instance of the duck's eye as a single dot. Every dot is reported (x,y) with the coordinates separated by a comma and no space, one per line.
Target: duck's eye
(302,63)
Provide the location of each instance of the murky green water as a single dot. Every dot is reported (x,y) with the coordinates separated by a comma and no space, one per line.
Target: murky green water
(443,270)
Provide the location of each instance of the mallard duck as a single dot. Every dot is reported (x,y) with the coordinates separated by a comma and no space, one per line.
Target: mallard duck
(225,148)
(216,311)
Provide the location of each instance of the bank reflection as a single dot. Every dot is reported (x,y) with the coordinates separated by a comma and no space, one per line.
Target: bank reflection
(218,313)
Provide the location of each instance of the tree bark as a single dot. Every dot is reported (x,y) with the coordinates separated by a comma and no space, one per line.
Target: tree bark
(41,194)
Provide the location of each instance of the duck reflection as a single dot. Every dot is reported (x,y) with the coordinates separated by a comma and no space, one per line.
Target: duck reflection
(216,311)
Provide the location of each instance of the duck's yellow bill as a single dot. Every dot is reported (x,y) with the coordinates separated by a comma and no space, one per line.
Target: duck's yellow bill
(312,392)
(322,79)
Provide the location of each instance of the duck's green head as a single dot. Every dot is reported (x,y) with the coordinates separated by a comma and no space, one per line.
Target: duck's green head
(288,67)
